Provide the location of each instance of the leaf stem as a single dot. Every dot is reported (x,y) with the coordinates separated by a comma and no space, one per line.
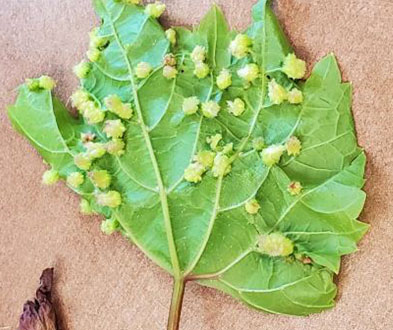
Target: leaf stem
(176,304)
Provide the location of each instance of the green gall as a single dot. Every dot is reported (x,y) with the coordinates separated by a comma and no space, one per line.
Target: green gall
(293,146)
(75,179)
(210,109)
(258,143)
(115,147)
(240,46)
(169,72)
(109,226)
(295,96)
(50,177)
(92,113)
(114,128)
(236,107)
(214,141)
(102,179)
(252,206)
(93,54)
(275,245)
(33,84)
(155,9)
(115,105)
(272,154)
(201,70)
(82,161)
(95,150)
(190,105)
(47,83)
(249,72)
(205,158)
(85,207)
(110,199)
(293,67)
(143,69)
(228,148)
(224,79)
(198,55)
(171,36)
(277,93)
(170,59)
(79,98)
(193,173)
(82,69)
(221,166)
(96,42)
(295,188)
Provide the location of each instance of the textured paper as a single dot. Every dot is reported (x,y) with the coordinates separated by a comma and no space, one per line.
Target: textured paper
(105,283)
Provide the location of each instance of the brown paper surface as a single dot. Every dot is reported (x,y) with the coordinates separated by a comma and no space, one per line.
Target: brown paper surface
(105,283)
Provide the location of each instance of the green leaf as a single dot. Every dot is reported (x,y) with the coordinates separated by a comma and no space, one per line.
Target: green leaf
(205,231)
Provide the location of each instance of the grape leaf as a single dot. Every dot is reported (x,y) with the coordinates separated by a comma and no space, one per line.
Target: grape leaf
(230,229)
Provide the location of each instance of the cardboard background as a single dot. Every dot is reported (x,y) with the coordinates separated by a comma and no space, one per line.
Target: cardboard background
(105,283)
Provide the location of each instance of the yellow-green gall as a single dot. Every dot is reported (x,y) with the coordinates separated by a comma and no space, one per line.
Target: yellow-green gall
(33,84)
(201,70)
(190,105)
(115,105)
(85,207)
(193,173)
(277,93)
(205,158)
(93,54)
(249,72)
(101,179)
(210,109)
(50,177)
(96,41)
(79,98)
(224,79)
(169,72)
(295,188)
(110,199)
(171,36)
(82,69)
(221,166)
(236,107)
(95,150)
(295,96)
(228,148)
(155,9)
(258,143)
(293,146)
(114,128)
(134,2)
(82,161)
(240,46)
(143,70)
(214,141)
(252,206)
(92,113)
(115,147)
(293,67)
(109,226)
(272,154)
(47,82)
(198,55)
(275,245)
(75,179)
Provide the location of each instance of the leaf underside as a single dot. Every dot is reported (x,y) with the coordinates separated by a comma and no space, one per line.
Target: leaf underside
(203,230)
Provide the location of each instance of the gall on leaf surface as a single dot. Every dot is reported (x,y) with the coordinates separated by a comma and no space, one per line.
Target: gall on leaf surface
(201,230)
